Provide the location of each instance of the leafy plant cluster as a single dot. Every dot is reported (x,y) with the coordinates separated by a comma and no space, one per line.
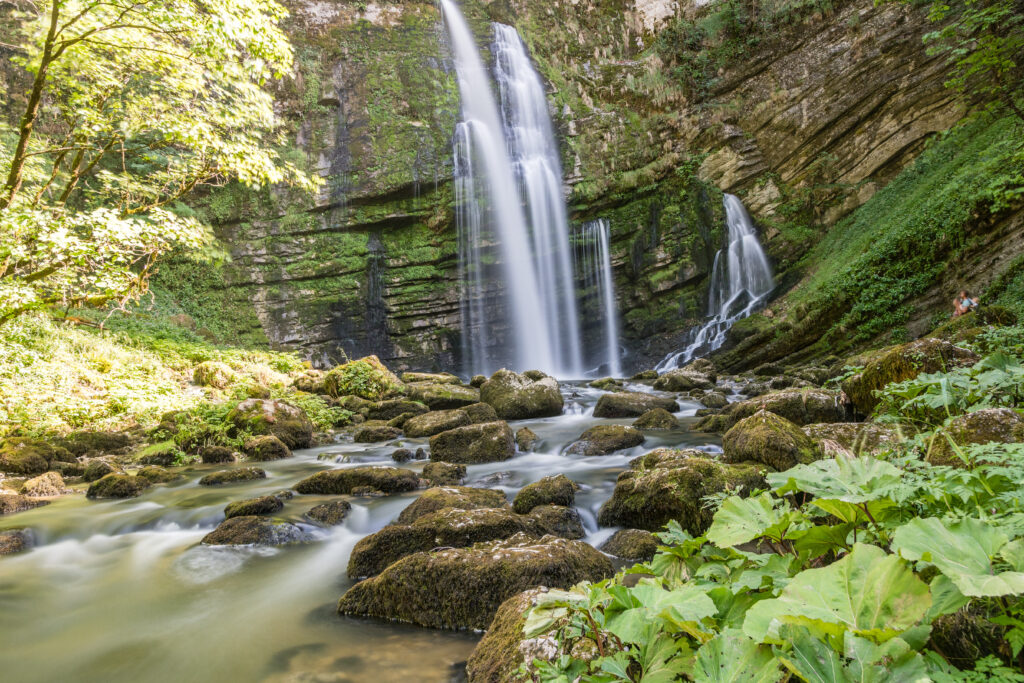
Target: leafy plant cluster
(843,571)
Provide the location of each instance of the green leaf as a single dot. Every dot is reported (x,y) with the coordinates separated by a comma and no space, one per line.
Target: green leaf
(946,597)
(731,657)
(868,592)
(819,540)
(681,607)
(962,551)
(851,480)
(739,520)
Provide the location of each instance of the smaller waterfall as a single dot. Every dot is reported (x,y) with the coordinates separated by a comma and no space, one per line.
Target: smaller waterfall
(741,281)
(594,260)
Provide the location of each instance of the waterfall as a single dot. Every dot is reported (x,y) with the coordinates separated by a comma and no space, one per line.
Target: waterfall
(508,185)
(594,262)
(739,286)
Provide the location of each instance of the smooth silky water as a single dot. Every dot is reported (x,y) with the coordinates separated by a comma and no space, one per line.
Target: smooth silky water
(123,591)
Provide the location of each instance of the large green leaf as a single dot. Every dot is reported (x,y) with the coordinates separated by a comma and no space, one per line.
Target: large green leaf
(862,661)
(963,551)
(682,608)
(732,657)
(851,480)
(868,592)
(739,520)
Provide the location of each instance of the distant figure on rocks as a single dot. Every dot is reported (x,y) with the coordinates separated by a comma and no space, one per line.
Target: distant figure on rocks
(963,303)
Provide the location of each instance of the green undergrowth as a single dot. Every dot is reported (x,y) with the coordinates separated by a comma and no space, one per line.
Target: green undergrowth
(57,377)
(898,244)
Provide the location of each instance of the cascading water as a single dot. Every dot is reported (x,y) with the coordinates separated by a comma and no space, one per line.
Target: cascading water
(506,160)
(594,261)
(739,286)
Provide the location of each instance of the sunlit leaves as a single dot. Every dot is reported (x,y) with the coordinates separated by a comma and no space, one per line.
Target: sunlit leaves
(732,657)
(739,520)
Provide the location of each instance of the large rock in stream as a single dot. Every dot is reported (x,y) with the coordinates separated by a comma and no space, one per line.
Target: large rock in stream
(253,530)
(605,439)
(346,480)
(769,439)
(443,396)
(517,397)
(260,416)
(28,456)
(435,422)
(799,406)
(460,497)
(632,404)
(471,444)
(462,588)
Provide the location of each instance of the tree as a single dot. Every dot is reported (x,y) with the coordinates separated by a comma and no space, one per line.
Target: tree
(132,105)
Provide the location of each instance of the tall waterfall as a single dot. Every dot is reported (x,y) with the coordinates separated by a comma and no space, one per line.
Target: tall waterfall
(594,261)
(509,192)
(739,286)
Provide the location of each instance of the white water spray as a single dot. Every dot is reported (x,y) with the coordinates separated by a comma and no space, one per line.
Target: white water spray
(739,286)
(594,261)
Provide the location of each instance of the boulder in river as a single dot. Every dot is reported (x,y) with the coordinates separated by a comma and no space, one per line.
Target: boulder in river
(556,489)
(216,454)
(254,530)
(462,588)
(366,378)
(667,485)
(348,480)
(15,541)
(45,485)
(477,443)
(444,473)
(859,438)
(799,406)
(11,503)
(330,514)
(432,377)
(605,439)
(558,520)
(480,412)
(658,418)
(714,399)
(28,456)
(117,486)
(517,396)
(268,416)
(444,396)
(264,505)
(460,497)
(90,443)
(632,404)
(158,475)
(645,375)
(390,409)
(632,544)
(435,422)
(266,448)
(526,439)
(769,439)
(375,433)
(232,476)
(900,363)
(609,383)
(477,381)
(989,425)
(682,379)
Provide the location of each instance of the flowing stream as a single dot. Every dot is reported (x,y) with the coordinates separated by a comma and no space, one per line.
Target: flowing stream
(122,591)
(740,285)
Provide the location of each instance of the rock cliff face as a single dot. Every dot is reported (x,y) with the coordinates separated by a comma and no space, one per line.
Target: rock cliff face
(805,126)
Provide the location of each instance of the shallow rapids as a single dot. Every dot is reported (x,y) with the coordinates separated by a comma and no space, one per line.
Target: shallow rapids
(122,590)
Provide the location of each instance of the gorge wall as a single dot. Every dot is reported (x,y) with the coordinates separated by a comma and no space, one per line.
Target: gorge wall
(805,124)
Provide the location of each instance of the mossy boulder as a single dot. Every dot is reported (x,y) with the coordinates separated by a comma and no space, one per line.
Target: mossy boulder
(15,541)
(269,416)
(366,378)
(859,438)
(155,474)
(118,486)
(517,396)
(217,454)
(683,379)
(480,412)
(556,489)
(390,409)
(311,382)
(659,418)
(667,485)
(526,439)
(605,439)
(645,375)
(435,422)
(375,433)
(97,469)
(431,377)
(632,544)
(714,399)
(214,374)
(336,482)
(477,381)
(800,406)
(900,363)
(504,648)
(266,448)
(330,514)
(264,505)
(443,396)
(233,476)
(558,520)
(477,443)
(632,404)
(609,383)
(28,456)
(449,528)
(459,497)
(94,443)
(462,588)
(45,485)
(162,454)
(11,503)
(998,425)
(769,439)
(255,530)
(402,455)
(444,473)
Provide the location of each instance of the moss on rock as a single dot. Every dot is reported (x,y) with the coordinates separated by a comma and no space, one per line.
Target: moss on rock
(609,383)
(214,374)
(330,514)
(859,438)
(460,497)
(267,416)
(11,503)
(25,455)
(477,443)
(366,378)
(556,489)
(94,443)
(683,379)
(232,476)
(45,485)
(769,439)
(118,486)
(435,422)
(518,396)
(15,541)
(605,439)
(97,469)
(432,377)
(631,544)
(375,433)
(444,473)
(658,418)
(558,520)
(444,396)
(254,530)
(632,404)
(526,439)
(383,479)
(157,475)
(463,587)
(667,485)
(480,412)
(266,448)
(392,408)
(217,454)
(264,505)
(998,425)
